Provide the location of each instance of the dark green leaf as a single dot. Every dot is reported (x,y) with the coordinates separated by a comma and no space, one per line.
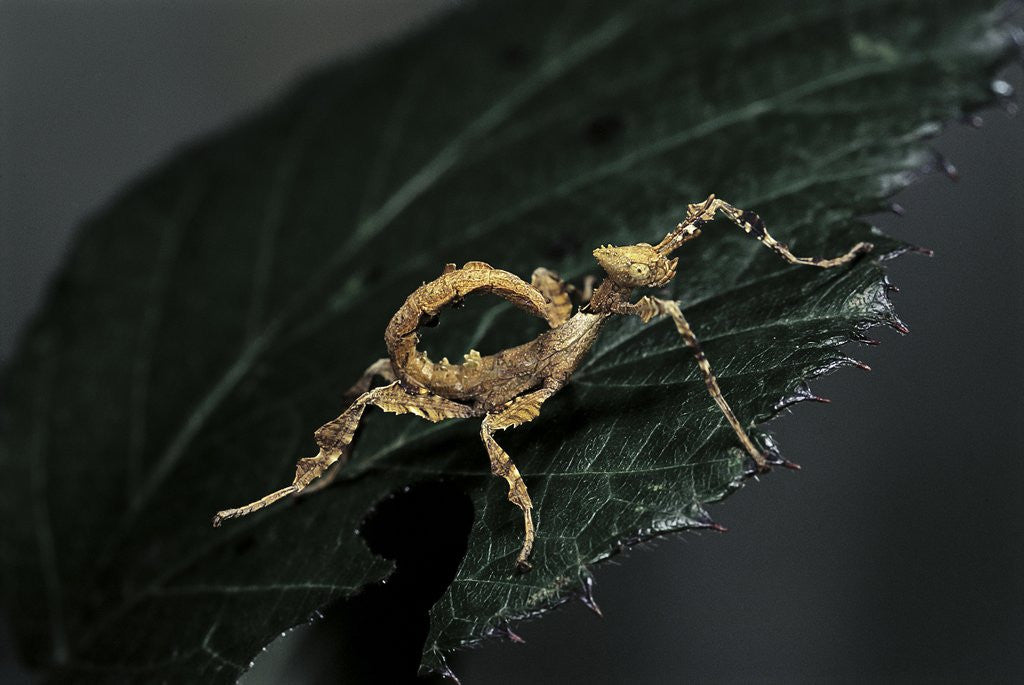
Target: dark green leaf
(209,320)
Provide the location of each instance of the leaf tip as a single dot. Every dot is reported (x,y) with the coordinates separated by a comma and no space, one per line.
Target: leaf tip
(587,595)
(503,631)
(437,664)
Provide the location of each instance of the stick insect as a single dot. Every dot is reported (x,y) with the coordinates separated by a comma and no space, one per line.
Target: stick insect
(507,389)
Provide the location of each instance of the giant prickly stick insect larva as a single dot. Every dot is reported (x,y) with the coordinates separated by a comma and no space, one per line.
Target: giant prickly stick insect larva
(507,389)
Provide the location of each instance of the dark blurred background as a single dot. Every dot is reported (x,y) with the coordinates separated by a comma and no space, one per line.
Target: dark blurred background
(896,554)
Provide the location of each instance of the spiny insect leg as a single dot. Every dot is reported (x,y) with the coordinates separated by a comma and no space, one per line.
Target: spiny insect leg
(671,308)
(517,412)
(329,475)
(334,437)
(753,225)
(221,516)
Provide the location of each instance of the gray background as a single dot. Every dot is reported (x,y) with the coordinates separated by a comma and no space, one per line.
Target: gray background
(896,552)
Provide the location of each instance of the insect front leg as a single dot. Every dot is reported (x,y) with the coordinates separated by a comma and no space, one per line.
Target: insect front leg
(515,413)
(334,437)
(754,225)
(649,307)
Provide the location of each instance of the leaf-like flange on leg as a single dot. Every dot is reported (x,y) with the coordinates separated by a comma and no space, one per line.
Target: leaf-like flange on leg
(309,469)
(334,437)
(516,412)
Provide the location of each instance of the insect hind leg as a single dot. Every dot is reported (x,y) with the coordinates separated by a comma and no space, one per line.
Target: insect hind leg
(382,369)
(379,369)
(334,437)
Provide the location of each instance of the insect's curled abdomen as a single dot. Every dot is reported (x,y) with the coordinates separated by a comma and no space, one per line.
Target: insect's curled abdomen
(425,304)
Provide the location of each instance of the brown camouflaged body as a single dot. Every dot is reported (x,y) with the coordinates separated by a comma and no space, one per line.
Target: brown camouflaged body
(489,381)
(509,388)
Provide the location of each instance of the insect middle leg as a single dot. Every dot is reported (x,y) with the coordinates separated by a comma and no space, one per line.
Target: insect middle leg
(560,294)
(515,413)
(556,292)
(649,307)
(334,437)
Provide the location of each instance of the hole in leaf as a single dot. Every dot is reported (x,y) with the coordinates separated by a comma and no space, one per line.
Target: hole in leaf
(378,635)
